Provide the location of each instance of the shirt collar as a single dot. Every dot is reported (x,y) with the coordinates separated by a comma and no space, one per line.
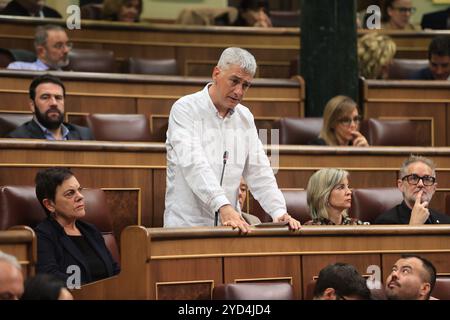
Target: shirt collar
(213,107)
(48,134)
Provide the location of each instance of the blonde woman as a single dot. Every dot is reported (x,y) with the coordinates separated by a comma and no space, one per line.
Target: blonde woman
(341,122)
(375,55)
(329,197)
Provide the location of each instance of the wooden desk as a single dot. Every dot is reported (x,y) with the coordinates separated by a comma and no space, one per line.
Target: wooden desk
(134,174)
(119,93)
(187,263)
(410,99)
(20,242)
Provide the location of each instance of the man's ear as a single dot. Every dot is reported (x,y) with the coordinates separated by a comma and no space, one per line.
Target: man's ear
(32,106)
(49,204)
(400,185)
(40,51)
(329,294)
(215,74)
(425,289)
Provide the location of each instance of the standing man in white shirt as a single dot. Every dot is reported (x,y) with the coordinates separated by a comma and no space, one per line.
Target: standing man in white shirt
(205,126)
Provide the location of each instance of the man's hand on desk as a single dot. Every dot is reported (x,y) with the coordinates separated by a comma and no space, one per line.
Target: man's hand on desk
(230,217)
(293,223)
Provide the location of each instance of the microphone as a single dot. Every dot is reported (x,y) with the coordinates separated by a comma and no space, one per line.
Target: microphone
(225,158)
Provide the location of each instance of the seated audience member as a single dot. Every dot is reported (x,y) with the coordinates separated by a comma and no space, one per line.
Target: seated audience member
(417,183)
(249,218)
(33,8)
(52,48)
(439,61)
(11,278)
(329,197)
(375,55)
(122,10)
(45,287)
(254,13)
(63,239)
(412,278)
(439,20)
(341,281)
(47,95)
(341,121)
(397,15)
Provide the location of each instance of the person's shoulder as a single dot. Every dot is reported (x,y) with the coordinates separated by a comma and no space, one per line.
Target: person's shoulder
(50,12)
(24,131)
(45,227)
(83,132)
(439,217)
(422,74)
(387,217)
(317,142)
(22,65)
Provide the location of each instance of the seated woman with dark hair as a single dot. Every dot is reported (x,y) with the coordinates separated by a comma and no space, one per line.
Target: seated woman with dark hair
(63,239)
(340,127)
(329,197)
(122,10)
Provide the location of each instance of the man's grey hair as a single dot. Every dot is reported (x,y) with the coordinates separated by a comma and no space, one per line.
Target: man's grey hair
(41,35)
(413,159)
(8,258)
(237,56)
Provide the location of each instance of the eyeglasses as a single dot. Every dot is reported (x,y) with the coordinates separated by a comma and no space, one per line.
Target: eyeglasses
(348,121)
(414,179)
(61,45)
(411,10)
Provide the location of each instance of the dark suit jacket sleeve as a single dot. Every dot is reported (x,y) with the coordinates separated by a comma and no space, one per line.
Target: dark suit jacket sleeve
(78,132)
(115,265)
(47,259)
(388,217)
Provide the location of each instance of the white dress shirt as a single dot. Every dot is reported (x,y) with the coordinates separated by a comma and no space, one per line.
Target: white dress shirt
(196,141)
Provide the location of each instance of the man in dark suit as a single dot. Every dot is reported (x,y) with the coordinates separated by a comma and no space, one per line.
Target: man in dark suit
(438,59)
(439,20)
(32,8)
(417,184)
(47,95)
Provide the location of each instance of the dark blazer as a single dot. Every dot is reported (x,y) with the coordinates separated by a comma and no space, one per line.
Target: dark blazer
(56,251)
(15,9)
(422,74)
(435,20)
(401,214)
(31,130)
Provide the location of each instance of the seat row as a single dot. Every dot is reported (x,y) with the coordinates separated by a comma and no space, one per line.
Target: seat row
(96,60)
(292,131)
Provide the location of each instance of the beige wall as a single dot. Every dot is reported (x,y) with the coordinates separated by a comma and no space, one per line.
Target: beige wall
(153,9)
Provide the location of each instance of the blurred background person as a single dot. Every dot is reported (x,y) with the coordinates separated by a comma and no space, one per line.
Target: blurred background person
(438,61)
(52,47)
(341,122)
(397,15)
(249,218)
(45,287)
(32,8)
(11,278)
(329,197)
(122,10)
(341,281)
(375,55)
(254,13)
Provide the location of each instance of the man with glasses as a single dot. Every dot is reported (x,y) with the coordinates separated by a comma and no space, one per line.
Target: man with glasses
(52,50)
(397,14)
(417,183)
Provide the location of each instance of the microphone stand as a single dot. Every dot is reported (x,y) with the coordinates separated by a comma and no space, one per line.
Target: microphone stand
(225,158)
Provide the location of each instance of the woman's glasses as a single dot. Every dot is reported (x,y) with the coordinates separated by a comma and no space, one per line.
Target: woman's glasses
(348,121)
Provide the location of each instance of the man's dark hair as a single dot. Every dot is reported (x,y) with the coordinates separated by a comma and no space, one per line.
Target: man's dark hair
(429,268)
(47,180)
(46,78)
(43,287)
(344,279)
(439,46)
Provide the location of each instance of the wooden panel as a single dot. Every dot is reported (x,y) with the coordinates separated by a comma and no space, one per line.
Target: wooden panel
(256,269)
(197,277)
(190,258)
